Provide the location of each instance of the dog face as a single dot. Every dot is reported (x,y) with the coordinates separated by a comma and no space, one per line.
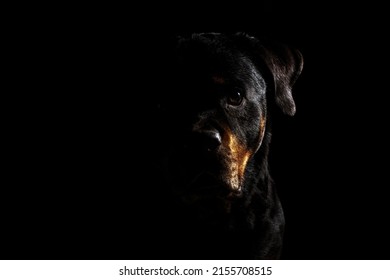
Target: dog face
(216,114)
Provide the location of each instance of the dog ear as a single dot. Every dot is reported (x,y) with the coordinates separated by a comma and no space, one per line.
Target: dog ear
(283,63)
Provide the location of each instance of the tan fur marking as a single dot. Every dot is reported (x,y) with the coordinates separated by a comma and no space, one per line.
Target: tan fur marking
(239,156)
(219,80)
(262,125)
(239,159)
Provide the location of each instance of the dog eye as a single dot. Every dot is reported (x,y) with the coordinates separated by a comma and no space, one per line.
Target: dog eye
(235,98)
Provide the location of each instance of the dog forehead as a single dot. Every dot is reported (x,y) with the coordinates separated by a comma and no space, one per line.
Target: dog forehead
(217,61)
(219,68)
(203,51)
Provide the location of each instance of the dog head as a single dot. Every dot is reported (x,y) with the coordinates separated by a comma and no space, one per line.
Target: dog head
(216,111)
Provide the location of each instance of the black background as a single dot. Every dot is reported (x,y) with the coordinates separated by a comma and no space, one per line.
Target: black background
(80,126)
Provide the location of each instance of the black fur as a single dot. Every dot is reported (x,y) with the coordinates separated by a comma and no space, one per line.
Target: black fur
(217,199)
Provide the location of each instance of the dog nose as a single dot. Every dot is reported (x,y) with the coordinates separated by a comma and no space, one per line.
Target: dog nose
(208,140)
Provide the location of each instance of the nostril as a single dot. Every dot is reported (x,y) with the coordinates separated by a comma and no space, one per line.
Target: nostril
(214,140)
(208,140)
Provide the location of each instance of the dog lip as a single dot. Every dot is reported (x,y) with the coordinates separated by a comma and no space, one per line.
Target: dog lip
(204,181)
(207,186)
(211,192)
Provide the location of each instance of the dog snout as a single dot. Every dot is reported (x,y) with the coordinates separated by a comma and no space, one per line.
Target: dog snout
(208,140)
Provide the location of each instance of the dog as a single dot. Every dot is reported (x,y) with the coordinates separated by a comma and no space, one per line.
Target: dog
(218,199)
